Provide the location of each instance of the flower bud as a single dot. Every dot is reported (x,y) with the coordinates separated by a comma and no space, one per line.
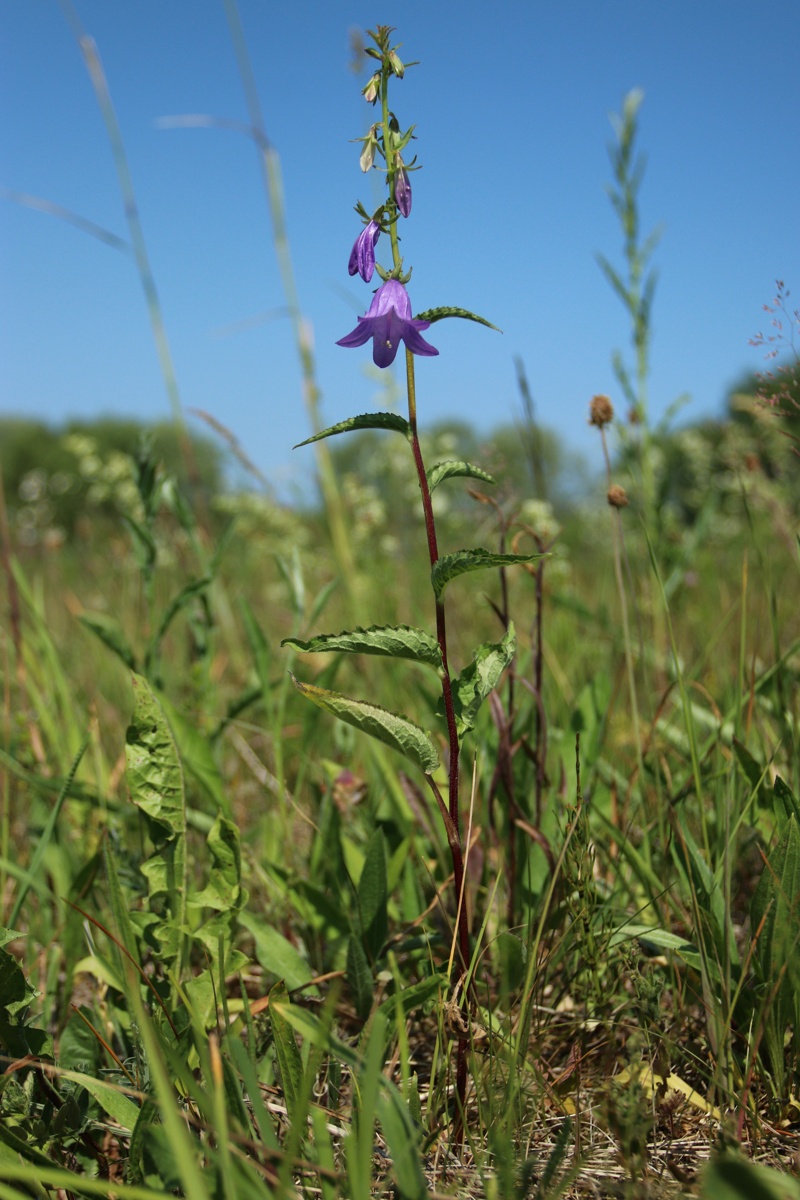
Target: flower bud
(370,92)
(397,65)
(402,189)
(368,153)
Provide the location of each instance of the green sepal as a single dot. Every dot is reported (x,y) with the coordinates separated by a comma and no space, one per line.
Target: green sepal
(387,727)
(396,641)
(381,420)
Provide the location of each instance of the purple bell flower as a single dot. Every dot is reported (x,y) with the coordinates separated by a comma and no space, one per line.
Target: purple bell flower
(362,256)
(402,190)
(389,322)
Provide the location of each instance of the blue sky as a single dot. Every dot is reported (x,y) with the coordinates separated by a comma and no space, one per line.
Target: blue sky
(511,106)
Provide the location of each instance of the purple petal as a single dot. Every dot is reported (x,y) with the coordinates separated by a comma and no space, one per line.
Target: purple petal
(402,191)
(362,332)
(415,342)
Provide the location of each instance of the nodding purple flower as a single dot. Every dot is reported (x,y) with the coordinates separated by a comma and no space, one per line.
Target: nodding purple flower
(402,190)
(362,256)
(389,322)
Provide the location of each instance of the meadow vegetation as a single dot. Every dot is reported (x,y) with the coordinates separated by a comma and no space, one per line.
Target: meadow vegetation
(249,951)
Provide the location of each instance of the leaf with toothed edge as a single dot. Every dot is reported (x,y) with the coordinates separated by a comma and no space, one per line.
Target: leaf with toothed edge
(381,420)
(387,727)
(451,565)
(456,469)
(438,314)
(396,641)
(482,676)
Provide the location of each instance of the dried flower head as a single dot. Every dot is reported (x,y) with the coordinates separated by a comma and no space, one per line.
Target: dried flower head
(601,411)
(617,496)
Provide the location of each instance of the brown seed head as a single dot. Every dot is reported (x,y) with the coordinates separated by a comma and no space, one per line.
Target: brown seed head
(601,411)
(617,496)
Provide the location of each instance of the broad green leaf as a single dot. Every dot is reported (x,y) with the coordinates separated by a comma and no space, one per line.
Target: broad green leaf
(196,753)
(290,1064)
(275,953)
(396,641)
(109,1097)
(372,896)
(775,906)
(739,1179)
(381,420)
(410,998)
(451,565)
(388,727)
(476,681)
(359,977)
(223,891)
(784,801)
(17,1037)
(111,635)
(455,469)
(438,314)
(155,783)
(154,774)
(9,935)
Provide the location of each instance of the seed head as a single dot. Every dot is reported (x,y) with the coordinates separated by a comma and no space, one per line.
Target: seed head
(617,496)
(601,411)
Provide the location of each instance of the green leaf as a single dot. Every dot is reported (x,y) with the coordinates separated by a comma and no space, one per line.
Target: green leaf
(775,910)
(187,593)
(109,1097)
(784,802)
(381,420)
(396,641)
(196,753)
(453,468)
(290,1064)
(154,774)
(451,565)
(111,635)
(223,891)
(476,681)
(155,783)
(275,953)
(438,314)
(662,939)
(738,1179)
(359,977)
(413,997)
(372,896)
(388,727)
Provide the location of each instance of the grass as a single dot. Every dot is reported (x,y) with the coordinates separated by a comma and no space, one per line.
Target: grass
(249,951)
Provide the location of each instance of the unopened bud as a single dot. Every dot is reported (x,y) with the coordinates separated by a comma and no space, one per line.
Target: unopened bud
(617,496)
(397,65)
(370,92)
(368,153)
(601,411)
(402,189)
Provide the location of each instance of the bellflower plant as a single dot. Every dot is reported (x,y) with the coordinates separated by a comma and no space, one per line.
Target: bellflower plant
(388,322)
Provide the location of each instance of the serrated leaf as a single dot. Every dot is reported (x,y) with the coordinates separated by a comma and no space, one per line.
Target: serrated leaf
(451,565)
(387,727)
(372,895)
(396,641)
(196,753)
(381,420)
(454,468)
(476,681)
(438,314)
(111,635)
